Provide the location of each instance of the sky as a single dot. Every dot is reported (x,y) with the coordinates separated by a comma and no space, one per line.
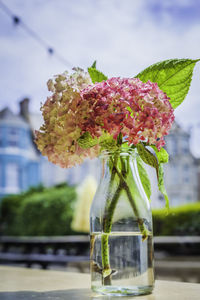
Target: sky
(124,37)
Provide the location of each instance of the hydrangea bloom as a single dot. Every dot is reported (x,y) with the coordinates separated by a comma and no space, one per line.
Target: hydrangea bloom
(57,138)
(140,111)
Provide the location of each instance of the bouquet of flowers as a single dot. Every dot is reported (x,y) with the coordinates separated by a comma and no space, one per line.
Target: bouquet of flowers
(88,113)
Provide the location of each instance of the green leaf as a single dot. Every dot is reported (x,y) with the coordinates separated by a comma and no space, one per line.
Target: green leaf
(144,177)
(151,160)
(130,110)
(172,76)
(161,185)
(94,64)
(87,141)
(147,156)
(96,75)
(162,155)
(107,142)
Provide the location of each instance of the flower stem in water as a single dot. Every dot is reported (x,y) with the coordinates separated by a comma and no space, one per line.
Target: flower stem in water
(108,217)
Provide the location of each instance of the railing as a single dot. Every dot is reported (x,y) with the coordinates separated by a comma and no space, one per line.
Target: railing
(177,258)
(174,255)
(178,245)
(44,250)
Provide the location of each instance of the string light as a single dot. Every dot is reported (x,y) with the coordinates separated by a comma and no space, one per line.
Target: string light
(19,22)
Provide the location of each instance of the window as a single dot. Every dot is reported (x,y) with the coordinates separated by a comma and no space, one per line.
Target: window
(188,198)
(184,145)
(175,200)
(172,145)
(12,175)
(186,173)
(13,137)
(1,175)
(175,173)
(1,137)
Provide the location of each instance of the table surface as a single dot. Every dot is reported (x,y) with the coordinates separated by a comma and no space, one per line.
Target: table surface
(24,284)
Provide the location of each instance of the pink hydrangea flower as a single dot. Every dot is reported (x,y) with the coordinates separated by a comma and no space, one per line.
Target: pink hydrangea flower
(140,111)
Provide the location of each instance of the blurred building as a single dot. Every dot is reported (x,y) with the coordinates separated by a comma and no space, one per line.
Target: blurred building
(181,173)
(22,166)
(198,189)
(19,160)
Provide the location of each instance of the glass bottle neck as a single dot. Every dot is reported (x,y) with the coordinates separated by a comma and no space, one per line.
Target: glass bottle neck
(121,168)
(118,161)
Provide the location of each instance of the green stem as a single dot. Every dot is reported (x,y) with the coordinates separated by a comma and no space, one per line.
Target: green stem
(140,221)
(107,225)
(108,217)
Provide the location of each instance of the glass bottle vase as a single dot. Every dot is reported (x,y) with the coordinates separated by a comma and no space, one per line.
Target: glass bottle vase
(121,247)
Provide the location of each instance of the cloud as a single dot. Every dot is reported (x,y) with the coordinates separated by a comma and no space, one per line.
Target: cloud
(170,12)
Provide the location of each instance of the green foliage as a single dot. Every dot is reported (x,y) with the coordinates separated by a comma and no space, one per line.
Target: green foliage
(144,177)
(32,190)
(96,75)
(161,185)
(107,143)
(182,220)
(48,212)
(173,76)
(161,155)
(147,156)
(94,64)
(9,214)
(10,210)
(87,141)
(155,162)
